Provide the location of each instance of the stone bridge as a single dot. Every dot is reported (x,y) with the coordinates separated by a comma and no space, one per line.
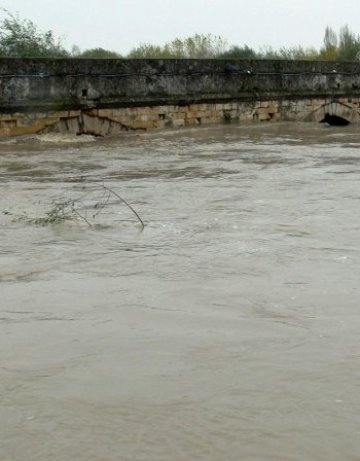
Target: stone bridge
(104,97)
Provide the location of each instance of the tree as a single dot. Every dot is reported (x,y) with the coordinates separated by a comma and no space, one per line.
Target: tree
(20,38)
(239,52)
(349,45)
(96,53)
(198,46)
(195,47)
(148,51)
(297,53)
(329,51)
(344,46)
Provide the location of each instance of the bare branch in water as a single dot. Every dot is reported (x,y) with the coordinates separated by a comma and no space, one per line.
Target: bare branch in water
(101,204)
(126,203)
(65,210)
(74,210)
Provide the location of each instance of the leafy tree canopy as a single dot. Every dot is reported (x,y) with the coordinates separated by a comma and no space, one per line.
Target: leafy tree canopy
(197,46)
(96,53)
(240,52)
(344,46)
(21,38)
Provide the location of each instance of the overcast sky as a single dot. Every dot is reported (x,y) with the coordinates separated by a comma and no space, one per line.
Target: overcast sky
(120,25)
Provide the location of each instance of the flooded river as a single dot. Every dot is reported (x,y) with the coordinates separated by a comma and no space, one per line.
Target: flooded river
(226,330)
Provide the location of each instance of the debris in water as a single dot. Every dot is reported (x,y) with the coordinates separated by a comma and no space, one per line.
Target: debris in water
(70,209)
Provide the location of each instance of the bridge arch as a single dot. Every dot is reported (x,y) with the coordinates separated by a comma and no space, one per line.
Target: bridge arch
(336,113)
(87,122)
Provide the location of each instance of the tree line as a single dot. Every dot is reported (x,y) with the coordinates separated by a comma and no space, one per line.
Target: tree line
(21,38)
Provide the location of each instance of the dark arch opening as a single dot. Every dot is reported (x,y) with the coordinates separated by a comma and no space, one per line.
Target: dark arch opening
(334,120)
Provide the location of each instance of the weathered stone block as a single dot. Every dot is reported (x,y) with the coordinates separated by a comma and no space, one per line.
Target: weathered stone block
(178,122)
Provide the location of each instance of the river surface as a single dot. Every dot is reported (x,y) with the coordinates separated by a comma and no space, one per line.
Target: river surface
(228,329)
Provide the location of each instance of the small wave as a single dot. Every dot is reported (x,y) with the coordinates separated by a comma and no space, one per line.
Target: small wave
(55,138)
(64,138)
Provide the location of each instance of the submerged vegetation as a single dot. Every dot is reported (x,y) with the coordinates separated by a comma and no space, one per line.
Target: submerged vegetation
(21,38)
(86,209)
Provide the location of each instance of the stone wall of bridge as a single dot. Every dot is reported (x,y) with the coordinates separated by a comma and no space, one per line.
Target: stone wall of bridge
(105,97)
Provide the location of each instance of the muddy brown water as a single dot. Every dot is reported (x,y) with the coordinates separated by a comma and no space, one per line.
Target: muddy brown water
(227,330)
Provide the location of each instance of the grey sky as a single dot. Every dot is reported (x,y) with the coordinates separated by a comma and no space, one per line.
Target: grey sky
(123,24)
